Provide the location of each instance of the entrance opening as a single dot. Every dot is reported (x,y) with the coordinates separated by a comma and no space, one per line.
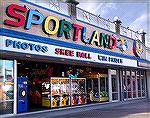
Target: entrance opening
(52,85)
(38,83)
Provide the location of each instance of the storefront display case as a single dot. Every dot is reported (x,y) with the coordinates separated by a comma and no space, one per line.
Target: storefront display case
(46,92)
(60,92)
(78,91)
(97,87)
(104,97)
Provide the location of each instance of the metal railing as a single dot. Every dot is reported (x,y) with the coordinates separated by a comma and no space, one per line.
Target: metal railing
(106,24)
(95,20)
(130,33)
(55,5)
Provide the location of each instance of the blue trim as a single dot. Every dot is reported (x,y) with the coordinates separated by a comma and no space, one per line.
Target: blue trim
(25,1)
(36,55)
(143,60)
(35,38)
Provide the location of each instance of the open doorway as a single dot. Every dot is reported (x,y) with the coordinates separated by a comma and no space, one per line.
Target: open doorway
(38,76)
(49,86)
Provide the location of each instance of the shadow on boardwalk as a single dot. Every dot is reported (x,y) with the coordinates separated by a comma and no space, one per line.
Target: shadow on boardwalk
(132,110)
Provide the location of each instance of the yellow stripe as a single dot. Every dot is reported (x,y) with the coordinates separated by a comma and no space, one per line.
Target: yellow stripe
(6,83)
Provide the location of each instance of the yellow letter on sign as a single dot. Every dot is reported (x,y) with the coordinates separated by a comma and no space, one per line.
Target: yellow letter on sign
(46,25)
(95,38)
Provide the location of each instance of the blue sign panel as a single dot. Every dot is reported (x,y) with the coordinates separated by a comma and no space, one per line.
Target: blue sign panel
(22,94)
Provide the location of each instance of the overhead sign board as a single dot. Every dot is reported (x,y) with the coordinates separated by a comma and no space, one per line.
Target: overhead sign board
(41,49)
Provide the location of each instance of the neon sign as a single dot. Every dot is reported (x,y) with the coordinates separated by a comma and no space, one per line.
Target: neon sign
(60,27)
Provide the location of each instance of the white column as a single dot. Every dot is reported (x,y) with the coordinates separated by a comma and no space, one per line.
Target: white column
(148,83)
(110,85)
(3,70)
(15,86)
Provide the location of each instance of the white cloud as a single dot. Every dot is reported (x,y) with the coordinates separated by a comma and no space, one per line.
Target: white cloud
(97,7)
(139,23)
(88,6)
(104,8)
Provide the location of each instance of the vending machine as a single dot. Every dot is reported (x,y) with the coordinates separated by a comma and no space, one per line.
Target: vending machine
(22,94)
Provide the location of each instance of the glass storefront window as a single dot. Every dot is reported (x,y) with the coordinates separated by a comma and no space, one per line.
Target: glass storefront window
(103,89)
(143,84)
(139,84)
(102,84)
(129,86)
(6,86)
(134,86)
(114,87)
(95,88)
(125,86)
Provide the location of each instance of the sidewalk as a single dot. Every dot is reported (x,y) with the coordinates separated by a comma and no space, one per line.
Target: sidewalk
(132,110)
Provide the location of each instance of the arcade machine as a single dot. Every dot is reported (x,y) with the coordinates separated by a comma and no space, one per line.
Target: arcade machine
(78,91)
(60,92)
(46,97)
(22,94)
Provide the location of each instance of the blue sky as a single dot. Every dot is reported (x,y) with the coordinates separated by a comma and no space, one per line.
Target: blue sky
(132,14)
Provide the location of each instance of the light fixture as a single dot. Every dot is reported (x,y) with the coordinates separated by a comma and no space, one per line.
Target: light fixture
(116,18)
(62,59)
(141,31)
(88,62)
(29,56)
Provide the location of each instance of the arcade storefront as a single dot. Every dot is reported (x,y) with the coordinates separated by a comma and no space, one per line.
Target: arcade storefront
(59,66)
(42,86)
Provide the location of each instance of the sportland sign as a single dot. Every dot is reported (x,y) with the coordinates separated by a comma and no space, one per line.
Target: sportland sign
(61,27)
